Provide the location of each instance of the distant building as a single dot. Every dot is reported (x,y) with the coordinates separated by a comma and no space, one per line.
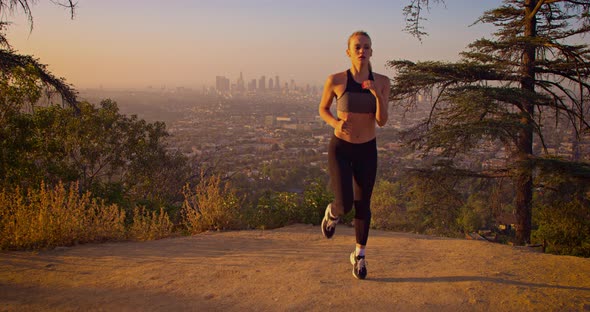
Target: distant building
(221,84)
(240,84)
(252,85)
(262,83)
(283,119)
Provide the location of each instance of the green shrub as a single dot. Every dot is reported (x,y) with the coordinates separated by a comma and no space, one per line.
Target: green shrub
(564,228)
(388,211)
(561,212)
(273,209)
(475,214)
(315,199)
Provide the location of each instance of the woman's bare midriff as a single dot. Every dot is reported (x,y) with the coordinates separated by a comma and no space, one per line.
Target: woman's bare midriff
(362,127)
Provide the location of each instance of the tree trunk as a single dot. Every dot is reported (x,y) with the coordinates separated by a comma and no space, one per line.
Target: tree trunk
(576,146)
(524,173)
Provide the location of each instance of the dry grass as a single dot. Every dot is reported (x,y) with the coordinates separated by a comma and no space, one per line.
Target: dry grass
(58,216)
(49,217)
(212,205)
(150,225)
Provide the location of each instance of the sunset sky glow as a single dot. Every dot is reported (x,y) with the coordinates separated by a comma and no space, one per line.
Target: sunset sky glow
(134,44)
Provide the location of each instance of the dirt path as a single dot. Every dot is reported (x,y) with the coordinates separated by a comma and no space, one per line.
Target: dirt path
(292,269)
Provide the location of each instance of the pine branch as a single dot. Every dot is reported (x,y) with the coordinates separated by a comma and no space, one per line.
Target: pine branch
(10,60)
(68,4)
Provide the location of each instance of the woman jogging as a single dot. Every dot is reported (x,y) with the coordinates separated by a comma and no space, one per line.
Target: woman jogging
(361,104)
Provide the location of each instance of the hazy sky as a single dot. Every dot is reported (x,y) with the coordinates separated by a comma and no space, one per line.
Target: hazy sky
(130,43)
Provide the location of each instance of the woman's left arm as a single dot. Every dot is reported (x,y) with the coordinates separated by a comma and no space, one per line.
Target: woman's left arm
(382,96)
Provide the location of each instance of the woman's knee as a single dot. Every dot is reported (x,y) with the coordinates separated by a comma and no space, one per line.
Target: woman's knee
(341,208)
(362,210)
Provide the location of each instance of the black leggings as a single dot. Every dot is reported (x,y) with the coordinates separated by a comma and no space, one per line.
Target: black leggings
(353,168)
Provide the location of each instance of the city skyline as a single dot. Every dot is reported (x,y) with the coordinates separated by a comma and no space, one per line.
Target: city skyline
(185,43)
(239,84)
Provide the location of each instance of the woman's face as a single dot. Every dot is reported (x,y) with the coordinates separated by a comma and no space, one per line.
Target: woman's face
(359,49)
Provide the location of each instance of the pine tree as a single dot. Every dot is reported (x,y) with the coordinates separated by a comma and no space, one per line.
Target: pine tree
(502,88)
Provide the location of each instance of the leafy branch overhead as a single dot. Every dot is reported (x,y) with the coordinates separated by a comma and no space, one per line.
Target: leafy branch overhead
(414,15)
(9,7)
(10,60)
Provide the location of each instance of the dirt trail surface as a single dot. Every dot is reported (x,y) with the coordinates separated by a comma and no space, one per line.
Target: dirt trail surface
(293,269)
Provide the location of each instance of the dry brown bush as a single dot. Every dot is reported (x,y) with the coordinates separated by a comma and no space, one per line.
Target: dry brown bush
(150,225)
(56,216)
(212,205)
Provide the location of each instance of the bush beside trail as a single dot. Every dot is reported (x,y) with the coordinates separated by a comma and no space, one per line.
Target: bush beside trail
(48,217)
(51,216)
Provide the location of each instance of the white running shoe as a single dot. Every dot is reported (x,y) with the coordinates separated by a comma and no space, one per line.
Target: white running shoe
(359,266)
(329,223)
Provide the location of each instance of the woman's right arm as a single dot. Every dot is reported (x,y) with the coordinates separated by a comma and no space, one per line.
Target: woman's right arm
(327,97)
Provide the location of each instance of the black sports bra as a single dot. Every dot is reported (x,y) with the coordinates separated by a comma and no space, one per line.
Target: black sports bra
(355,99)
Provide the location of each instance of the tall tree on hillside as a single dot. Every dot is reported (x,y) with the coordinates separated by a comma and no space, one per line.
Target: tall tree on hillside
(502,88)
(12,63)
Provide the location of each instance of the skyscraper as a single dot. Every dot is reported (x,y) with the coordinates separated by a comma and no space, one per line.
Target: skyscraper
(252,85)
(262,83)
(240,84)
(221,84)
